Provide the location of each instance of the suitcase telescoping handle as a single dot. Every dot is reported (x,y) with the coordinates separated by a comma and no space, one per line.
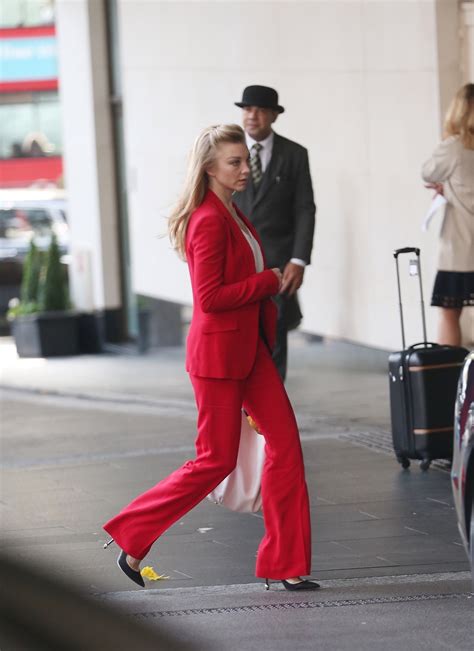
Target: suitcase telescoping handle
(416,251)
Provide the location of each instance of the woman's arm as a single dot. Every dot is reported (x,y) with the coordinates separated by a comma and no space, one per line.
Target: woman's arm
(207,239)
(442,163)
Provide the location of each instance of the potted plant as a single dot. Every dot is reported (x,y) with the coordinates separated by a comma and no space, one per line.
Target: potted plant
(43,324)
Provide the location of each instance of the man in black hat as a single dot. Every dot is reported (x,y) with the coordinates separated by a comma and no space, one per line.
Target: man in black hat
(279,201)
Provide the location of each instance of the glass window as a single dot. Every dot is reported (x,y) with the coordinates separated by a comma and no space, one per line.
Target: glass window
(26,13)
(30,126)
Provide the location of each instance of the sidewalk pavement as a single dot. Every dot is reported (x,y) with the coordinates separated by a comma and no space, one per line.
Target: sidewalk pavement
(83,436)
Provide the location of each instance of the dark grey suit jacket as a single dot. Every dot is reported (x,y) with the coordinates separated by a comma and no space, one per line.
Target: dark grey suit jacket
(282,210)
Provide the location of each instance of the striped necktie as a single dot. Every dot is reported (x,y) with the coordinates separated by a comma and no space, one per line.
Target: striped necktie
(256,163)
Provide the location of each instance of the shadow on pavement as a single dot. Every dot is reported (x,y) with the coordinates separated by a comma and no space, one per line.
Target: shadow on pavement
(43,614)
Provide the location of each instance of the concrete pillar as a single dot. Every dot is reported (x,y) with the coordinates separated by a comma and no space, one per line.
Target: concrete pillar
(89,160)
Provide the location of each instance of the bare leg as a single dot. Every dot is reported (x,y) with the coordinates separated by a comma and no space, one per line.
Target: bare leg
(134,563)
(449,328)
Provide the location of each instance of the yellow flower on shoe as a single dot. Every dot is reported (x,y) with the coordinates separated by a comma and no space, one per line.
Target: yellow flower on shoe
(150,574)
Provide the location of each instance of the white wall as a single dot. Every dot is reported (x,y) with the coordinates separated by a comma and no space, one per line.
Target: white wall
(361,82)
(467,20)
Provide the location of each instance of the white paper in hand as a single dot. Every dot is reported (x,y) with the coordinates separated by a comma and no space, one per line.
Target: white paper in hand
(436,204)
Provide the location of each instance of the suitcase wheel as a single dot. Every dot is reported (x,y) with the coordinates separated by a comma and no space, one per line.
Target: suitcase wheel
(403,461)
(425,464)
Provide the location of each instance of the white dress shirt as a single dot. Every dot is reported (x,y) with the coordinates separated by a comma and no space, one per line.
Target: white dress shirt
(265,154)
(266,148)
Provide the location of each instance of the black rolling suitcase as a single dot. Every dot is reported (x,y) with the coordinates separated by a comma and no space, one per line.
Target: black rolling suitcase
(423,382)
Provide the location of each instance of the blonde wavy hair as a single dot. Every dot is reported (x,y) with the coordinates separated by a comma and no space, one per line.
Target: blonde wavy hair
(197,181)
(460,116)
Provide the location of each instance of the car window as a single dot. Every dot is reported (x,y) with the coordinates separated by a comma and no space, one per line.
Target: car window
(19,225)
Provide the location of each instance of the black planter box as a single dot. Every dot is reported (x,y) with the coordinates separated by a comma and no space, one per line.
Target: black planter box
(48,334)
(90,326)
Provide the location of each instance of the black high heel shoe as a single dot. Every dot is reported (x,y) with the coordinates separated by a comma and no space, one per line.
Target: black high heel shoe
(132,574)
(135,576)
(304,584)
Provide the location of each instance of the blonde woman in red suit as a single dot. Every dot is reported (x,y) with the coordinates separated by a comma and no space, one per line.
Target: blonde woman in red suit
(228,358)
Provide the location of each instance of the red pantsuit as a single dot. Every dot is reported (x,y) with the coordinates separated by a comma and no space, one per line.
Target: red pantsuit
(230,367)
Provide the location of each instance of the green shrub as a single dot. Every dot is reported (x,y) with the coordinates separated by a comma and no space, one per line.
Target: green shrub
(44,285)
(53,291)
(31,275)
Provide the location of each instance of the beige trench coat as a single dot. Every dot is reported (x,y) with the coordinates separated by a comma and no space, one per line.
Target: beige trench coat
(453,165)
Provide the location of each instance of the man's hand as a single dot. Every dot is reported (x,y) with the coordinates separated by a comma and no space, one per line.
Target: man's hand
(292,278)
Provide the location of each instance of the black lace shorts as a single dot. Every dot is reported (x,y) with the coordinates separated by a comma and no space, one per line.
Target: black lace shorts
(453,289)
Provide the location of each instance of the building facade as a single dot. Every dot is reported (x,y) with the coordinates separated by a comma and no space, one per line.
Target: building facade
(365,84)
(30,120)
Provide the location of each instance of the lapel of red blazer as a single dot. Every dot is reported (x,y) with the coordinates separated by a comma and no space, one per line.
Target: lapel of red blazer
(217,203)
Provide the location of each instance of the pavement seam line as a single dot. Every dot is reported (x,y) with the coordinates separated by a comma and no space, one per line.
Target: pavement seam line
(112,398)
(246,588)
(344,603)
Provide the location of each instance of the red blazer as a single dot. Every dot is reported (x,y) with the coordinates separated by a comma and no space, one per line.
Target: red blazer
(229,296)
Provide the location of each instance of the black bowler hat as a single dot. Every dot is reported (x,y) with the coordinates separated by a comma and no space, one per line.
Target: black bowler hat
(261,96)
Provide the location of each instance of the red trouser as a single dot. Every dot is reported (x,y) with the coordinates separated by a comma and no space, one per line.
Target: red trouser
(285,550)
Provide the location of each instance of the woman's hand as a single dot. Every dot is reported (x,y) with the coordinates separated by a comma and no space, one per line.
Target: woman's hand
(279,275)
(437,187)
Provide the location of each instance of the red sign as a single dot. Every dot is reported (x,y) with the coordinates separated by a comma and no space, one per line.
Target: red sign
(21,172)
(28,60)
